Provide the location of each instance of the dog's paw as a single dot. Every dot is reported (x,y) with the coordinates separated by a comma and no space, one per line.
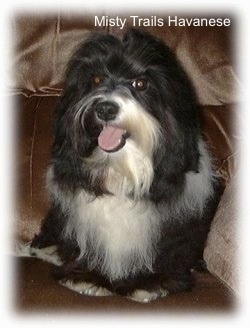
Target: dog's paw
(22,249)
(85,288)
(145,296)
(47,254)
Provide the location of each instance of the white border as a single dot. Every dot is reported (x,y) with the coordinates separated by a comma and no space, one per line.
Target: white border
(9,318)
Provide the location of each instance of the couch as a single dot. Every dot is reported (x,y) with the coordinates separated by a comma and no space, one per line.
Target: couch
(42,45)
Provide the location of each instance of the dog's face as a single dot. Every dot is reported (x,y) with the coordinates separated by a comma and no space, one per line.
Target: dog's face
(123,100)
(118,90)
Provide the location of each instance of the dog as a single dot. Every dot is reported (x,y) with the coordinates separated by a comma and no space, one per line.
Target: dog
(131,182)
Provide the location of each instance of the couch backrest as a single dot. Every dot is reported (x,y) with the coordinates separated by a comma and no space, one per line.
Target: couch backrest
(44,44)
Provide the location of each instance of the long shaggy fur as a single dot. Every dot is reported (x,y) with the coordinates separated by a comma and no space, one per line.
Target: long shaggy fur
(132,221)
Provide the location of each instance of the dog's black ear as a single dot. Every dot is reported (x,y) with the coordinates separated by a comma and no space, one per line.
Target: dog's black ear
(131,34)
(136,35)
(69,148)
(135,40)
(171,163)
(140,39)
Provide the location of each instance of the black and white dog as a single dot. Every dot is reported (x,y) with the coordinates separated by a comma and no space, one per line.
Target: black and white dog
(131,184)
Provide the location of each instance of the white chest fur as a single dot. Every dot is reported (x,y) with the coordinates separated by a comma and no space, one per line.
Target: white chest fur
(116,235)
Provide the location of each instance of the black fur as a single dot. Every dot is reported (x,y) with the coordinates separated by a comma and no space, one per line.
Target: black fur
(169,97)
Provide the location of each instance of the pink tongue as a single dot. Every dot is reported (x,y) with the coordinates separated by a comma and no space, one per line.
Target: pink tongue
(111,138)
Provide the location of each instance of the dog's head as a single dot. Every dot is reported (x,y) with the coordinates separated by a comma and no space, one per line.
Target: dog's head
(125,101)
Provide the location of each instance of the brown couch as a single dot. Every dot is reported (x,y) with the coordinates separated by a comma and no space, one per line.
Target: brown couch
(42,47)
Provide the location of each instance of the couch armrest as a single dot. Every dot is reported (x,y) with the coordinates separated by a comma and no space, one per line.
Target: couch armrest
(222,247)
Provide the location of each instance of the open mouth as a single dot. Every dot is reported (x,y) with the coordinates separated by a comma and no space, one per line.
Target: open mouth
(112,138)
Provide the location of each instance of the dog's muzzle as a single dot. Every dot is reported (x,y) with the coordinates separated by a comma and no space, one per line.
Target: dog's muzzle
(112,137)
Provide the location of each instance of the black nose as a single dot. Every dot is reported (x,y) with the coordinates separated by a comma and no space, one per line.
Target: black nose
(107,110)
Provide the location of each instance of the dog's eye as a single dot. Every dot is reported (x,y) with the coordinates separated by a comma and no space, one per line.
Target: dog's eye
(97,79)
(140,84)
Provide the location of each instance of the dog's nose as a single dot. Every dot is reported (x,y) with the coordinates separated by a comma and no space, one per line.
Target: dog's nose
(107,110)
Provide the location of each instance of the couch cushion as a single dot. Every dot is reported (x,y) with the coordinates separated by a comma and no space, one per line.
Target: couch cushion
(34,137)
(222,250)
(37,291)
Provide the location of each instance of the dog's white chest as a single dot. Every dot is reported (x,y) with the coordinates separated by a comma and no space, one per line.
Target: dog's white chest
(117,230)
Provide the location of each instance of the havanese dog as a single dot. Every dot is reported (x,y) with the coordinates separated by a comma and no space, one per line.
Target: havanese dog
(131,183)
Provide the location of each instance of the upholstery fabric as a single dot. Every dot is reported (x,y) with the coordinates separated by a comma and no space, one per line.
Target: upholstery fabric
(222,251)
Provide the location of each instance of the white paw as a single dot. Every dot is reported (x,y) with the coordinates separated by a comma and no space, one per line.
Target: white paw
(48,254)
(86,288)
(144,296)
(22,249)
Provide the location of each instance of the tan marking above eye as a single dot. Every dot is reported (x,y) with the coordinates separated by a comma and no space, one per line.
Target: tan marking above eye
(97,79)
